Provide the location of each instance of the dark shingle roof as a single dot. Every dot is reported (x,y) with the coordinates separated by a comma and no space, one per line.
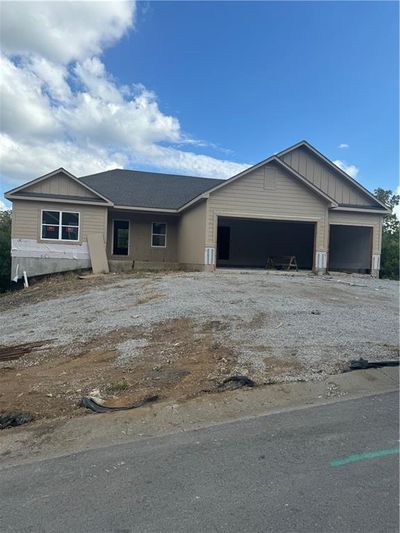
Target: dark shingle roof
(148,189)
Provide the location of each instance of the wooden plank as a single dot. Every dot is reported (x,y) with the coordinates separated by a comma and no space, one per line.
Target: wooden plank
(97,251)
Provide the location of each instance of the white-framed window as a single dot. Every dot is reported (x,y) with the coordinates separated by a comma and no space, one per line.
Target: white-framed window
(60,225)
(159,235)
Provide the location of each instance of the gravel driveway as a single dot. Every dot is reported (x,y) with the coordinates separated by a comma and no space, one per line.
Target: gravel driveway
(319,322)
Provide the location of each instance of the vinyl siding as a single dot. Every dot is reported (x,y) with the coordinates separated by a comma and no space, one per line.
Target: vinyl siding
(140,227)
(268,192)
(26,218)
(192,235)
(324,177)
(60,184)
(361,219)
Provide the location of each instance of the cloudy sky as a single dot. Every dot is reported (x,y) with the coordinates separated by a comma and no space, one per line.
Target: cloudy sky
(196,88)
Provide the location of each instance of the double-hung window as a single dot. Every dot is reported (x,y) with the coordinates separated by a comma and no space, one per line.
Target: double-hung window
(159,235)
(60,225)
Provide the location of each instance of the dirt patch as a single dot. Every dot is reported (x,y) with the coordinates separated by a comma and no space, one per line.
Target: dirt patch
(276,367)
(57,285)
(179,360)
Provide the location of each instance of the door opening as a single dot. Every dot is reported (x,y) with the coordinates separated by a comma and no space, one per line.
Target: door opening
(121,237)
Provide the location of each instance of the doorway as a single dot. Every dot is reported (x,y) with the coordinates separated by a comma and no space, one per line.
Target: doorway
(121,237)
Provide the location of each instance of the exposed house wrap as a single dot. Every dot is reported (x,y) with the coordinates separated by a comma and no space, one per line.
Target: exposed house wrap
(294,203)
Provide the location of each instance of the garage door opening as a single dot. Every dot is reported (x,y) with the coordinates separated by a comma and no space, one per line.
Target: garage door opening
(350,249)
(247,243)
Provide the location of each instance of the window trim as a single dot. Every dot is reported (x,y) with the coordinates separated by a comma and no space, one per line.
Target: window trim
(159,234)
(60,226)
(129,236)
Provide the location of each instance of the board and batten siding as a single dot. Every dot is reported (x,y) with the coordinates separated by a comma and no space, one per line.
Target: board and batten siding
(325,178)
(26,219)
(60,184)
(361,219)
(268,192)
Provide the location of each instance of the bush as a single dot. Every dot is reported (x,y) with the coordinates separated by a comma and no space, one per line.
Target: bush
(5,250)
(390,255)
(390,236)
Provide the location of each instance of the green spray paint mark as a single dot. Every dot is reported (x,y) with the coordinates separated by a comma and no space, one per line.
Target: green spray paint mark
(366,455)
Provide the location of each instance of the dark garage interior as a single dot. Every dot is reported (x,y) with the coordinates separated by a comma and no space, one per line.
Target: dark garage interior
(248,243)
(350,249)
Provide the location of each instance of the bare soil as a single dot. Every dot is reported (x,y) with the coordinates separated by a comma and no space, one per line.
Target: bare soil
(176,335)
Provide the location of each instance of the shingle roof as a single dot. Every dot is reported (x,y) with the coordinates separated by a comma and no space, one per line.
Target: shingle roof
(148,189)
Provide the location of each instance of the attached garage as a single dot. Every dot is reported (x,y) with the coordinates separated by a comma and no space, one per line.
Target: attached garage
(249,242)
(350,248)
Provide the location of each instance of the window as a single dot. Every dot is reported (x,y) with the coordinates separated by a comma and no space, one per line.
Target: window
(60,225)
(121,237)
(159,235)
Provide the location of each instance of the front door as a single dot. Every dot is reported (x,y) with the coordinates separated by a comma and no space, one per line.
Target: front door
(121,237)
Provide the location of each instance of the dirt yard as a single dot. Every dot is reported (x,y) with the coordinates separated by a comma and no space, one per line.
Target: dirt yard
(177,335)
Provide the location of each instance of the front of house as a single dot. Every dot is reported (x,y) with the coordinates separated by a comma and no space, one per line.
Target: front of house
(296,203)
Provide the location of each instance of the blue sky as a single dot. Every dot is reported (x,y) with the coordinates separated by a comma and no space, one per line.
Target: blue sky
(208,87)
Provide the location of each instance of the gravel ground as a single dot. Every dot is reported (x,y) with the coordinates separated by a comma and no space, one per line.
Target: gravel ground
(318,321)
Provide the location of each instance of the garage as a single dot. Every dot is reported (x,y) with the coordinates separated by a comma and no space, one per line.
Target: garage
(248,243)
(350,248)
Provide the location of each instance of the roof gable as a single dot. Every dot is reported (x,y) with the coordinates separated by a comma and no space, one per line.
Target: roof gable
(59,185)
(273,159)
(327,176)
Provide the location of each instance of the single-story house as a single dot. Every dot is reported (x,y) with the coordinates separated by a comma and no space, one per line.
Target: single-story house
(295,203)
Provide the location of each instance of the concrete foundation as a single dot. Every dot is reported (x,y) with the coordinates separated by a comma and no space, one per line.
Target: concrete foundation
(36,266)
(155,265)
(120,266)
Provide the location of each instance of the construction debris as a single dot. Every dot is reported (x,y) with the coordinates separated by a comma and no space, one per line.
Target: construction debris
(235,382)
(14,419)
(361,364)
(93,405)
(9,353)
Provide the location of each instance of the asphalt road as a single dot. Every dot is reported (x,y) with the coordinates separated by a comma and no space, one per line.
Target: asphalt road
(272,473)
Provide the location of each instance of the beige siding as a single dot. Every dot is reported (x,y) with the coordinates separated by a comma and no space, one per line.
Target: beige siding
(192,235)
(268,192)
(361,219)
(140,248)
(60,184)
(26,218)
(324,177)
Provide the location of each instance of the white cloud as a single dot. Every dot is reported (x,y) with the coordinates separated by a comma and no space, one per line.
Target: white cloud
(344,145)
(21,160)
(60,106)
(53,77)
(3,206)
(24,109)
(351,170)
(63,31)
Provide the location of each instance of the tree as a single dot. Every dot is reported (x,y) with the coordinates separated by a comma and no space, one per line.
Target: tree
(5,250)
(390,235)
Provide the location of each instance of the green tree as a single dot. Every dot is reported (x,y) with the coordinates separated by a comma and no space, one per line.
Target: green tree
(5,250)
(390,235)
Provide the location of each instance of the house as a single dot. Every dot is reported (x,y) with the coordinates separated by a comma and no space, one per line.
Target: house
(295,203)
